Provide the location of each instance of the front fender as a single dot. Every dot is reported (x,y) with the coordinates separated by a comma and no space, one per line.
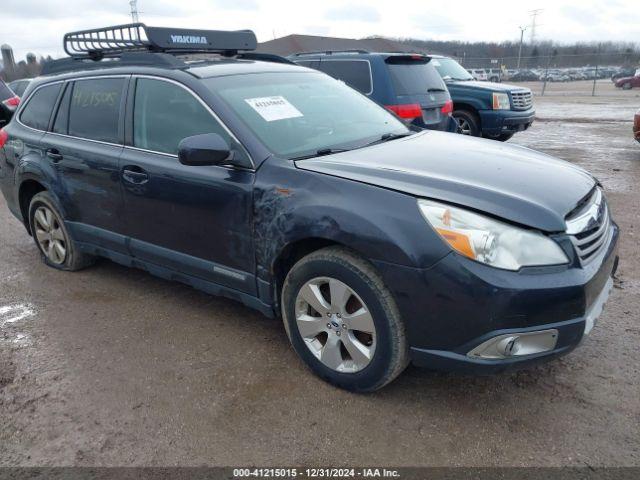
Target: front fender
(292,205)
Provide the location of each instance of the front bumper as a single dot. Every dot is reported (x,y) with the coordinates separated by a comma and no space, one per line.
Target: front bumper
(457,305)
(496,122)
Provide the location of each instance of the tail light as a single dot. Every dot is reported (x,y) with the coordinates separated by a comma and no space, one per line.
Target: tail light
(12,102)
(3,137)
(407,111)
(447,108)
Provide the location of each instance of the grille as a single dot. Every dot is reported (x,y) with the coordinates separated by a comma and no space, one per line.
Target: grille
(522,100)
(590,226)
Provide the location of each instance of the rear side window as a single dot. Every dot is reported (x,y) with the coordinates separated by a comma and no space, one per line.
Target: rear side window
(95,109)
(415,77)
(165,113)
(355,73)
(19,87)
(5,91)
(37,112)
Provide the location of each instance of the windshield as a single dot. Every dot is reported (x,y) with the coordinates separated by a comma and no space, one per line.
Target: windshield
(297,114)
(450,69)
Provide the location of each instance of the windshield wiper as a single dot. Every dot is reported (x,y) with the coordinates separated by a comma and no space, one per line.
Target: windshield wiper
(321,153)
(436,90)
(385,138)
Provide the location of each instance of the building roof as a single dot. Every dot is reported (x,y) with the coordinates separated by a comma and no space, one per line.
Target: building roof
(310,43)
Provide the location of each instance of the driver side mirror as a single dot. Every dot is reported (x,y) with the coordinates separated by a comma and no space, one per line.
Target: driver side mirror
(206,149)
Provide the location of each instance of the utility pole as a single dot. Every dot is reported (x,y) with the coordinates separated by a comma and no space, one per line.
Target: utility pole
(134,11)
(522,30)
(534,23)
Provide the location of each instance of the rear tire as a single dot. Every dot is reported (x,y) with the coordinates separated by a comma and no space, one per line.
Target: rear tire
(468,123)
(362,360)
(52,238)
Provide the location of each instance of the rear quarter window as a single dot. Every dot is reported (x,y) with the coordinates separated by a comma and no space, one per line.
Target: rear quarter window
(37,111)
(94,112)
(355,73)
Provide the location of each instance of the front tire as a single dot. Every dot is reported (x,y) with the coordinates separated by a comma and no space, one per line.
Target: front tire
(627,86)
(343,321)
(52,238)
(502,137)
(468,123)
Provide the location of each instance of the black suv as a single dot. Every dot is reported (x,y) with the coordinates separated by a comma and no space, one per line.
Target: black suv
(406,84)
(287,190)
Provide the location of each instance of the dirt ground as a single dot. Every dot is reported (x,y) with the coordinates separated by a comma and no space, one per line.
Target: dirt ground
(111,366)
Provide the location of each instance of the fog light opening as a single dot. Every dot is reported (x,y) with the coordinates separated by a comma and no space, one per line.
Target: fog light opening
(516,345)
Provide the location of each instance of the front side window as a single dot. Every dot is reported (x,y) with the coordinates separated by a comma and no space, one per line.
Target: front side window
(95,109)
(355,73)
(37,112)
(296,114)
(165,113)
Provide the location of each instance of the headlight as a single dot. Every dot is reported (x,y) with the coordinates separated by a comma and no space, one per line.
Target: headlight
(490,241)
(501,101)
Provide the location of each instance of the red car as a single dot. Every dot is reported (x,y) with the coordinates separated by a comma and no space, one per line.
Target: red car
(627,83)
(636,126)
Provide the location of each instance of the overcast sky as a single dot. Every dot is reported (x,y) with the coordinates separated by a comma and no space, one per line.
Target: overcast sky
(38,25)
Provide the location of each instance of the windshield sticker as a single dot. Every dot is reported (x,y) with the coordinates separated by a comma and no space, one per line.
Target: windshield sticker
(273,108)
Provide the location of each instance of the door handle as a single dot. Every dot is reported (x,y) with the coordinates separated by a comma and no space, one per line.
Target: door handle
(54,155)
(135,175)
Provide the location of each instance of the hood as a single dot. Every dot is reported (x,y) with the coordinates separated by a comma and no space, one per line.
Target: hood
(491,86)
(511,182)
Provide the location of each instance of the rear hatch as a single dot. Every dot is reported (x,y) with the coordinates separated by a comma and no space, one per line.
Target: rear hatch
(415,81)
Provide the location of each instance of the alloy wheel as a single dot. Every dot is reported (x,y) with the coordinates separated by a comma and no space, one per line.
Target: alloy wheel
(463,127)
(335,324)
(49,235)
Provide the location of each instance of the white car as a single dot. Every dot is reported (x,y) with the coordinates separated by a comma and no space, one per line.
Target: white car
(479,74)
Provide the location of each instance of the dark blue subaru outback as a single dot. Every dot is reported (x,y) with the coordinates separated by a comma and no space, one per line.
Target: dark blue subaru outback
(281,187)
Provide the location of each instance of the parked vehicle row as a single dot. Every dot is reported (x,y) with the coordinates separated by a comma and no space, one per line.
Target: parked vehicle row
(292,192)
(564,74)
(433,92)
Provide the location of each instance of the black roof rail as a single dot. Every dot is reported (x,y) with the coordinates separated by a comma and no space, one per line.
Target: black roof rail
(100,43)
(265,57)
(329,52)
(139,59)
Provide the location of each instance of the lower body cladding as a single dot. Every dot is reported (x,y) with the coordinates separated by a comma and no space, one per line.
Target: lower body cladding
(498,122)
(461,315)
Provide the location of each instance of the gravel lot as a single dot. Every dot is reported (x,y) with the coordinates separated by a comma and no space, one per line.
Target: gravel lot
(111,366)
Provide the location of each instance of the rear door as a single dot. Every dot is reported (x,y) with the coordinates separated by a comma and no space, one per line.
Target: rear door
(415,80)
(84,148)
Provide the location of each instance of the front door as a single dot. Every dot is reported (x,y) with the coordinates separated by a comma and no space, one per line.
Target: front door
(190,219)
